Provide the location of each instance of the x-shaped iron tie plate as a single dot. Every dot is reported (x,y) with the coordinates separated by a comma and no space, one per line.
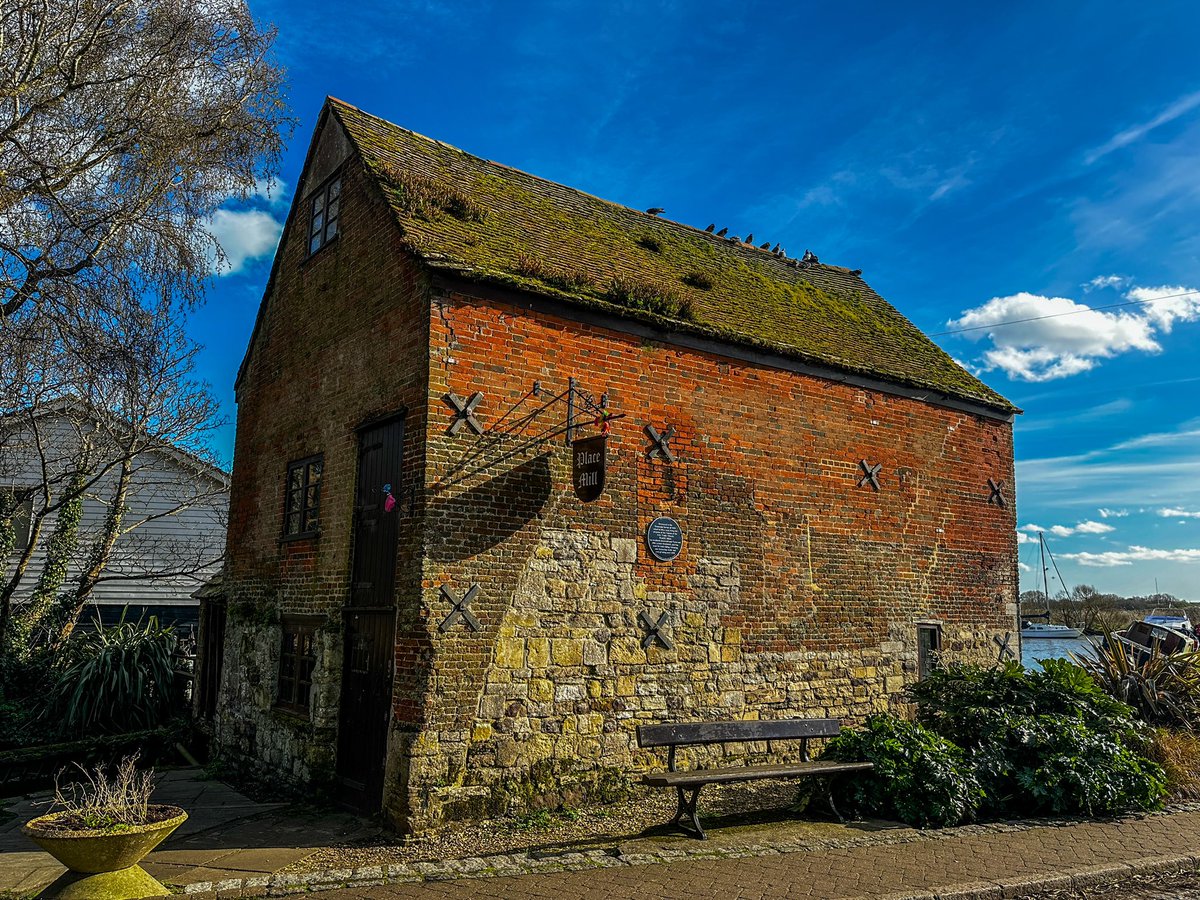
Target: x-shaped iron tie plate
(997,493)
(461,609)
(464,412)
(1006,652)
(661,443)
(870,474)
(654,631)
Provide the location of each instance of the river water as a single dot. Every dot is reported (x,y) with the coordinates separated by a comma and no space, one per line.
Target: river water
(1033,649)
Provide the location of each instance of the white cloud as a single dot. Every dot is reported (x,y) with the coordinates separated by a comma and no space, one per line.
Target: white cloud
(1176,513)
(1023,538)
(1132,555)
(1180,107)
(1025,567)
(1106,281)
(1087,527)
(242,235)
(1112,513)
(1044,338)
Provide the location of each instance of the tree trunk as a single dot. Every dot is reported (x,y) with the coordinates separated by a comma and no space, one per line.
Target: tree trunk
(98,557)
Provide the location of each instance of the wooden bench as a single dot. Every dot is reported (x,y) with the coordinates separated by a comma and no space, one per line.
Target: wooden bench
(737,732)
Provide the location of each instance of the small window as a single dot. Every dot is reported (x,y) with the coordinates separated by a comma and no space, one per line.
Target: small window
(325,213)
(297,658)
(302,505)
(929,647)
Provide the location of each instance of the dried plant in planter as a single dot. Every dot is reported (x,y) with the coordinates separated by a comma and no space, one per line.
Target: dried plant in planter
(104,802)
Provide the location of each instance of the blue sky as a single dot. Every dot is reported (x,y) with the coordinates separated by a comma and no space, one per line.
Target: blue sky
(981,163)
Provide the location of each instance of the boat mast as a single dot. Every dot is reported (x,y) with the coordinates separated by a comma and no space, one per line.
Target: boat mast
(1045,574)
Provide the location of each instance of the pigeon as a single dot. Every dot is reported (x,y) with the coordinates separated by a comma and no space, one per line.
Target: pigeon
(710,228)
(723,232)
(750,238)
(765,245)
(735,239)
(655,210)
(856,271)
(810,257)
(775,249)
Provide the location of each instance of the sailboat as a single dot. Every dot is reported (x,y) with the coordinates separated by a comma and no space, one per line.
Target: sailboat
(1045,629)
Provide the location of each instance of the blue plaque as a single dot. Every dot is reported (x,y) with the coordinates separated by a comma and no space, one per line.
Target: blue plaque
(664,538)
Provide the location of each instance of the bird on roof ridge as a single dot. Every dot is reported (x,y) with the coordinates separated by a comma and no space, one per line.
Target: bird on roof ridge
(765,245)
(856,271)
(655,211)
(735,239)
(809,257)
(774,249)
(723,232)
(710,228)
(750,238)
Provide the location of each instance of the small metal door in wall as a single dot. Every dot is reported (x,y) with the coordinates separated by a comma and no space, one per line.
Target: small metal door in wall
(370,619)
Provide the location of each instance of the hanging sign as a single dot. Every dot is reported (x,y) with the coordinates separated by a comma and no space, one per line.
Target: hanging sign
(587,467)
(664,538)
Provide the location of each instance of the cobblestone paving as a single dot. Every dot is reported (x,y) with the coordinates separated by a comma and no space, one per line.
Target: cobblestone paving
(868,871)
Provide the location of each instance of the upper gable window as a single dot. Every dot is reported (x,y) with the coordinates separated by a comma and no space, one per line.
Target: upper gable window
(326,212)
(302,503)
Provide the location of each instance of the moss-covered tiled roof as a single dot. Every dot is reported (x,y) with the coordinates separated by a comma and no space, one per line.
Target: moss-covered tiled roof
(492,223)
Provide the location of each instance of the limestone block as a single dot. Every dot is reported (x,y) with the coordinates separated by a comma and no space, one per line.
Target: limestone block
(567,652)
(626,650)
(541,689)
(510,653)
(626,549)
(539,652)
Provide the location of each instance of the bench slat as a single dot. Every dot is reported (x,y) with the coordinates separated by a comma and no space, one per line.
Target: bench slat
(683,733)
(750,773)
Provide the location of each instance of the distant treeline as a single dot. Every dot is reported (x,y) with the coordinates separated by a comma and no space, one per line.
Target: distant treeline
(1095,611)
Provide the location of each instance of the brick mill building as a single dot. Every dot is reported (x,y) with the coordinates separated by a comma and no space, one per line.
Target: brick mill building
(803,498)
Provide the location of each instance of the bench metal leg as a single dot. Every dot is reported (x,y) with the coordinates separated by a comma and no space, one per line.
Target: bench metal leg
(832,807)
(687,806)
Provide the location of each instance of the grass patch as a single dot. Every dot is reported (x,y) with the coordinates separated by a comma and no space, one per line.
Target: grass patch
(653,298)
(1178,752)
(651,243)
(697,280)
(533,267)
(425,198)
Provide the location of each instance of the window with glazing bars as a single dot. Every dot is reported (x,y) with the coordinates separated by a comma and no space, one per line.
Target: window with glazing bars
(297,658)
(326,210)
(302,505)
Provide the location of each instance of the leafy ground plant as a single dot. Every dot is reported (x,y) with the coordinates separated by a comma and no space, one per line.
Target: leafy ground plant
(121,679)
(1163,689)
(101,802)
(919,777)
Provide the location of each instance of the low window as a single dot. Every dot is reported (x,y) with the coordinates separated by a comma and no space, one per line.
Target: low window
(297,657)
(929,646)
(325,213)
(302,505)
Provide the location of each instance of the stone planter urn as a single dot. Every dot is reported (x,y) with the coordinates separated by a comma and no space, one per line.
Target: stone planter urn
(103,863)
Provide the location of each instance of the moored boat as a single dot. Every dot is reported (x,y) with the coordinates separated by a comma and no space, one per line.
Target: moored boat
(1166,630)
(1041,630)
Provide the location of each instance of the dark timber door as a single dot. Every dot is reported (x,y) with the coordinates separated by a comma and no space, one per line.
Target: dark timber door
(366,709)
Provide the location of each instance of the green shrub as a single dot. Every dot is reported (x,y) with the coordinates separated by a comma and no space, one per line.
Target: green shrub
(961,703)
(1051,764)
(1002,742)
(120,679)
(919,777)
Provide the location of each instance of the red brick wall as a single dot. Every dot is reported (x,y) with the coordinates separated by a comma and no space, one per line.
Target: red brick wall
(767,475)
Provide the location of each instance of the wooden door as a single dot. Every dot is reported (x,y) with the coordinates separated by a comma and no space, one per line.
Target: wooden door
(370,619)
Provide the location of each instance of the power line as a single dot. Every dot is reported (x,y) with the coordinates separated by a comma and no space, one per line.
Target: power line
(1073,312)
